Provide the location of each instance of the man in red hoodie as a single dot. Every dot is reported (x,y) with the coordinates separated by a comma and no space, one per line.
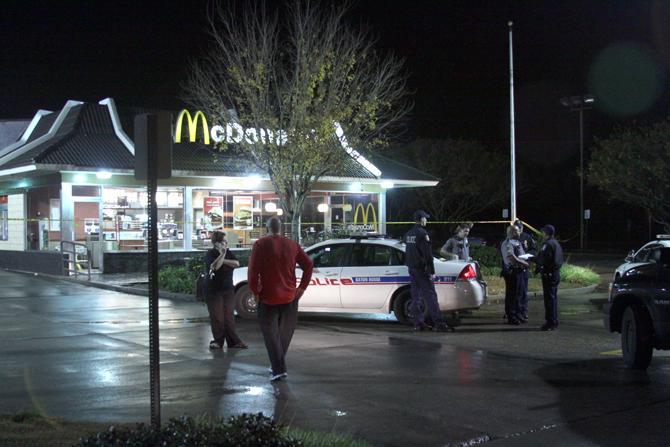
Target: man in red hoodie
(271,275)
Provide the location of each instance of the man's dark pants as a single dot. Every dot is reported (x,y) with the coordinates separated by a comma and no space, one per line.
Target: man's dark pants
(513,294)
(523,302)
(422,287)
(550,283)
(278,323)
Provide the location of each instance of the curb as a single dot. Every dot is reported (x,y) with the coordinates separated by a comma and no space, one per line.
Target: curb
(117,288)
(500,299)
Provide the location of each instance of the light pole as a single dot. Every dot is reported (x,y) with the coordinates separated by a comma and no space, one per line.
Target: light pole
(579,104)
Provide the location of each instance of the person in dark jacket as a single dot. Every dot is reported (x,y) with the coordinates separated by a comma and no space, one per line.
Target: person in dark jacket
(220,293)
(529,248)
(419,260)
(549,262)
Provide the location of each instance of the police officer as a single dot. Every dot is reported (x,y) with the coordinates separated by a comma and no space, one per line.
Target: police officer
(419,260)
(513,272)
(529,247)
(458,247)
(549,262)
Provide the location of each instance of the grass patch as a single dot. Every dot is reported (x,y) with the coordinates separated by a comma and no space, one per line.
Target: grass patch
(575,274)
(572,276)
(317,439)
(30,429)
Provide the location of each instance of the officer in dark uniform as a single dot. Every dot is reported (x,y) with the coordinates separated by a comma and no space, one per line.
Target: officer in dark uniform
(513,271)
(529,247)
(549,263)
(419,260)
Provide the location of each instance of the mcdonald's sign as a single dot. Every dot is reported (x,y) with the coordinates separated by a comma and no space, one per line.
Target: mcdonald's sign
(231,133)
(365,215)
(192,123)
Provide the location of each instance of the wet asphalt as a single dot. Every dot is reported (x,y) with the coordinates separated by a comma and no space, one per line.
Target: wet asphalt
(81,353)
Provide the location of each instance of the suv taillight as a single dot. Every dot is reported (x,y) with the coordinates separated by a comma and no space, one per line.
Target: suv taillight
(467,273)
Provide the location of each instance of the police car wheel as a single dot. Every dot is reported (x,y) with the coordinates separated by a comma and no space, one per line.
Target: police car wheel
(402,308)
(246,304)
(636,337)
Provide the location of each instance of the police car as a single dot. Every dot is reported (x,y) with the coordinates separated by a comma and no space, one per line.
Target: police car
(639,307)
(642,256)
(368,275)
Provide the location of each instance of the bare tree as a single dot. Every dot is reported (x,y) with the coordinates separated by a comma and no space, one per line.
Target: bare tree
(306,82)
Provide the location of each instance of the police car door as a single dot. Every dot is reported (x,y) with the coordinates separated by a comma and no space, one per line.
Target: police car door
(324,287)
(369,276)
(661,255)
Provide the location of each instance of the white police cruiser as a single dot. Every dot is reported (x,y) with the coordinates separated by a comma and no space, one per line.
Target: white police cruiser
(642,256)
(367,275)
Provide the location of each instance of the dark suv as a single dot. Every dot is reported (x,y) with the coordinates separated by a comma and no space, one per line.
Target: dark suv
(639,308)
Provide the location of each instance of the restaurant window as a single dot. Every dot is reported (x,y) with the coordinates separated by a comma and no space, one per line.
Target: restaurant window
(125,218)
(241,214)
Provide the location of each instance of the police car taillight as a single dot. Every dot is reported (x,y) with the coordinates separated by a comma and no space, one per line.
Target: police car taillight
(467,273)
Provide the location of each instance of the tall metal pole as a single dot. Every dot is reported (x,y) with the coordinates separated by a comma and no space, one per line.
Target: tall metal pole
(581,178)
(512,158)
(154,349)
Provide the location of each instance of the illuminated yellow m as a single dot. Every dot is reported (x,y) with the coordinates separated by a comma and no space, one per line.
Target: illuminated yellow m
(365,212)
(192,126)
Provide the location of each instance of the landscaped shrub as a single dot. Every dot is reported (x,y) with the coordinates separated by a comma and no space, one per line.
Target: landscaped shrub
(177,279)
(181,278)
(245,430)
(486,256)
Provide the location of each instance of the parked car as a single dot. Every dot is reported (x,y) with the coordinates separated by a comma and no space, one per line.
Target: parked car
(639,306)
(640,256)
(367,275)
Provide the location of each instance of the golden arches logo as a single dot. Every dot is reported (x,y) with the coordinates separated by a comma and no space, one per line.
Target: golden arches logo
(192,123)
(365,214)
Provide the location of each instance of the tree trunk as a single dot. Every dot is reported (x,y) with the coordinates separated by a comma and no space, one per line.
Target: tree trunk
(295,226)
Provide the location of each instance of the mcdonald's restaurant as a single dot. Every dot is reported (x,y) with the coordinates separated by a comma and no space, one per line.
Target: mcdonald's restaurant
(67,185)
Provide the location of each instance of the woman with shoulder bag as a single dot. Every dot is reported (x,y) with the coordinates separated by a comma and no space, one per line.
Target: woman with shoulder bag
(220,294)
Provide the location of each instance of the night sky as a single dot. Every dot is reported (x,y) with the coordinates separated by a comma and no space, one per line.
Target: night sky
(456,51)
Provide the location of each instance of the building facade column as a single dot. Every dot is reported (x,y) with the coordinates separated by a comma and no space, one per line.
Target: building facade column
(66,212)
(382,212)
(188,218)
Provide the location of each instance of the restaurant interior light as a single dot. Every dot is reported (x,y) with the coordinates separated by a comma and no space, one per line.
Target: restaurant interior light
(322,208)
(270,207)
(387,184)
(356,186)
(79,178)
(103,175)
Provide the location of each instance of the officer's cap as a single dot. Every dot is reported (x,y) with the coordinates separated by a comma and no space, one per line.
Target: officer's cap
(418,214)
(549,229)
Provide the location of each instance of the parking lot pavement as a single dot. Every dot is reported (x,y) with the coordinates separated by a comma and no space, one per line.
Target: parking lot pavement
(81,353)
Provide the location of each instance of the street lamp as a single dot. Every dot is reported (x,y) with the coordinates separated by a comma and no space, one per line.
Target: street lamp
(579,104)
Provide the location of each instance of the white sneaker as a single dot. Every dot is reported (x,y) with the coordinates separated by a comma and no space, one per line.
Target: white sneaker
(277,377)
(215,345)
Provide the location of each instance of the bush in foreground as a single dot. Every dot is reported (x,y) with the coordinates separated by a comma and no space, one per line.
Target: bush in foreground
(245,430)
